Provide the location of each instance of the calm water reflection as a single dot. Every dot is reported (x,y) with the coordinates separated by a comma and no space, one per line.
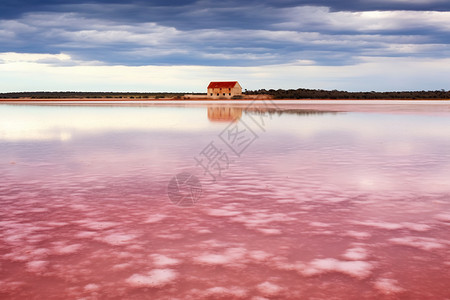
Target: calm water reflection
(320,205)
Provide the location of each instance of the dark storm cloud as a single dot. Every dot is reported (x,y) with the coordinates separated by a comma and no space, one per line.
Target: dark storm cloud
(228,33)
(13,8)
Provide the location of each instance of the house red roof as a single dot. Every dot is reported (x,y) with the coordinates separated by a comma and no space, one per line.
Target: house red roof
(222,84)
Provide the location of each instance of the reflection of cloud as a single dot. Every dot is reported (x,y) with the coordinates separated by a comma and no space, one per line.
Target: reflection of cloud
(34,135)
(362,151)
(402,130)
(62,123)
(399,148)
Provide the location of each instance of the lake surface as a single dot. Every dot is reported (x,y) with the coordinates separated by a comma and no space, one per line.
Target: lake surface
(256,201)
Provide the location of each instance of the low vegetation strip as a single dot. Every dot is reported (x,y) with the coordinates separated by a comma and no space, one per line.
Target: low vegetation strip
(275,94)
(335,94)
(88,95)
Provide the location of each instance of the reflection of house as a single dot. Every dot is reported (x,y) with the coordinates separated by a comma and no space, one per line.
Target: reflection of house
(224,89)
(224,113)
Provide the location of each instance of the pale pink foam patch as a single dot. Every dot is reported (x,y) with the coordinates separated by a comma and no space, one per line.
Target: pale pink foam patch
(14,238)
(27,253)
(230,256)
(86,234)
(357,269)
(39,210)
(17,256)
(319,224)
(213,243)
(135,248)
(37,238)
(269,289)
(81,207)
(171,236)
(11,286)
(394,226)
(388,286)
(162,260)
(269,231)
(416,226)
(358,234)
(124,254)
(260,218)
(62,248)
(97,225)
(380,224)
(259,255)
(154,278)
(56,224)
(225,293)
(285,201)
(118,239)
(91,287)
(443,217)
(356,253)
(215,212)
(422,243)
(39,252)
(155,218)
(123,266)
(37,266)
(212,259)
(281,263)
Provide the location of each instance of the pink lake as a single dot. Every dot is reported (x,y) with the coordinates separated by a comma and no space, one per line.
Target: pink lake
(296,201)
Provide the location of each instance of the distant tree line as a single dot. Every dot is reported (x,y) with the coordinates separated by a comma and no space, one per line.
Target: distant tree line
(335,94)
(68,95)
(276,94)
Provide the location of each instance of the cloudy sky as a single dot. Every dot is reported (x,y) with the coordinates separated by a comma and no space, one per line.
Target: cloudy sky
(160,45)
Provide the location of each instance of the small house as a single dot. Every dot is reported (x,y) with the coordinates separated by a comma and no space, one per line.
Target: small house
(224,89)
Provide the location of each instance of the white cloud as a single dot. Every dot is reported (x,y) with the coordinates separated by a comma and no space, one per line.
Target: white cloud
(142,34)
(321,18)
(406,1)
(13,27)
(13,58)
(310,33)
(30,72)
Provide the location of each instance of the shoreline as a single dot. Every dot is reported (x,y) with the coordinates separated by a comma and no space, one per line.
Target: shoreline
(441,107)
(212,101)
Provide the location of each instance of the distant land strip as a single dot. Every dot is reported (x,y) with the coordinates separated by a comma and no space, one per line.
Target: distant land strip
(335,94)
(300,93)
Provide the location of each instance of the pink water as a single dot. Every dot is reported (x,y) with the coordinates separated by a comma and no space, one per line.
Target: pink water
(352,205)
